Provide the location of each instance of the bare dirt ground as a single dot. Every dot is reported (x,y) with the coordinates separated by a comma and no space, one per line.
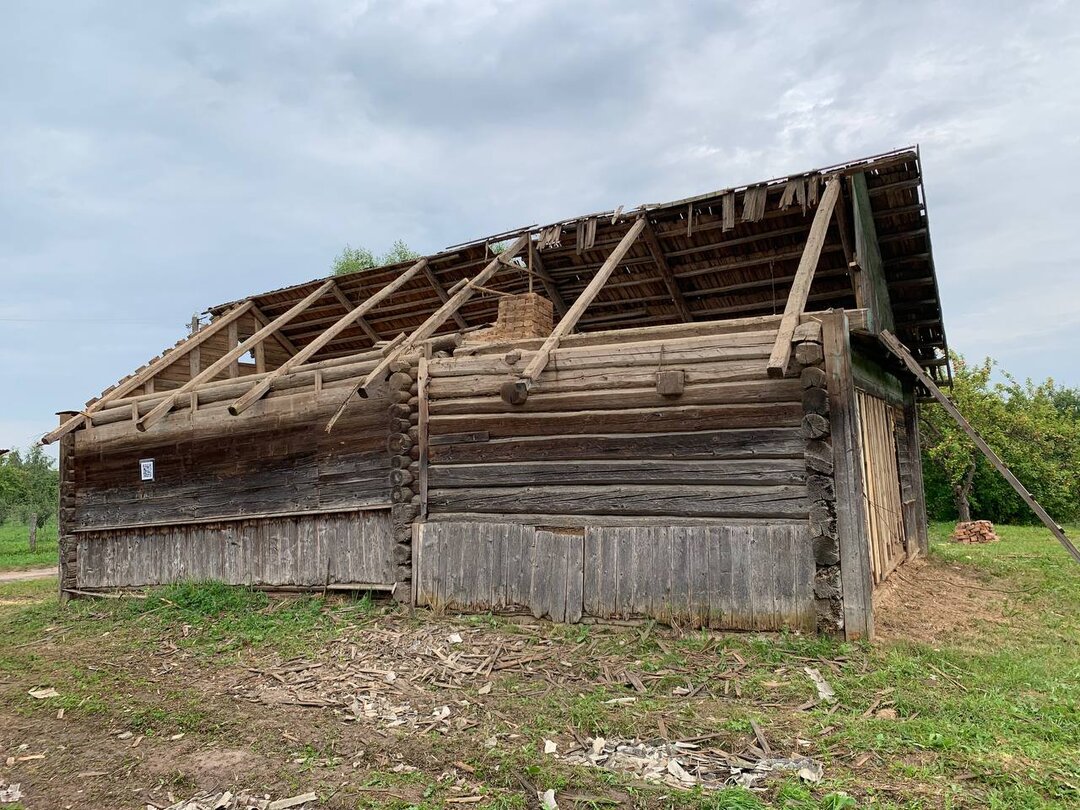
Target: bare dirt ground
(33,573)
(395,708)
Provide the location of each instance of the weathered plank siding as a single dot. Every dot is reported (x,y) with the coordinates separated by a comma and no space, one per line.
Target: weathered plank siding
(275,458)
(596,438)
(311,551)
(726,577)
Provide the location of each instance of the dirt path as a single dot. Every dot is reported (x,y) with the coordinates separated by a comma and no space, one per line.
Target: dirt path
(33,573)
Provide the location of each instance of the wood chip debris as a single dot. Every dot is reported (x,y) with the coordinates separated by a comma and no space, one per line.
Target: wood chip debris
(825,692)
(43,693)
(227,800)
(10,793)
(685,765)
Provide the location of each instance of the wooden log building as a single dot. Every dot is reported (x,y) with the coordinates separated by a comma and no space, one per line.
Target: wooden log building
(681,411)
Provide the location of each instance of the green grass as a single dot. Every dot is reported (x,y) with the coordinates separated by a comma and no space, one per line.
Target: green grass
(986,717)
(15,547)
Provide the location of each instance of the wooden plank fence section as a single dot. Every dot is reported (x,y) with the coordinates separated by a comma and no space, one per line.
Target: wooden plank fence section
(748,577)
(881,492)
(307,551)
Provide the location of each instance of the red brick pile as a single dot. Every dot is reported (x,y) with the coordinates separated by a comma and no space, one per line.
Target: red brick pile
(975,531)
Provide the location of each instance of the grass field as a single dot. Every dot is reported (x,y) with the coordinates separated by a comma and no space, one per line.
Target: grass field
(970,699)
(15,548)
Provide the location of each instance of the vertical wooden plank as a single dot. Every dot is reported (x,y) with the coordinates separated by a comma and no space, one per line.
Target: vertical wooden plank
(784,546)
(233,340)
(536,603)
(592,574)
(805,569)
(740,605)
(700,539)
(679,575)
(847,471)
(575,577)
(497,542)
(762,578)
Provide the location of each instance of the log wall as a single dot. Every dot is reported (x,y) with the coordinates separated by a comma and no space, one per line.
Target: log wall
(597,438)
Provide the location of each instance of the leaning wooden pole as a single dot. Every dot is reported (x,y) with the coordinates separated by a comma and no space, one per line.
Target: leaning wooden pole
(431,325)
(136,380)
(897,348)
(804,277)
(516,392)
(159,411)
(353,316)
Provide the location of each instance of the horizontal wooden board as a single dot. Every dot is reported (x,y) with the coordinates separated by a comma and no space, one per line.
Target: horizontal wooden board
(757,389)
(629,420)
(310,551)
(747,472)
(733,444)
(625,499)
(555,380)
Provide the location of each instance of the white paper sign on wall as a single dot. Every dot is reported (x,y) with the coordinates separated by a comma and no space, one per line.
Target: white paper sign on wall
(146,469)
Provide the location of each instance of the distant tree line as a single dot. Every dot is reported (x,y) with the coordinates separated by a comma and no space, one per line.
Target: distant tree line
(1035,428)
(29,490)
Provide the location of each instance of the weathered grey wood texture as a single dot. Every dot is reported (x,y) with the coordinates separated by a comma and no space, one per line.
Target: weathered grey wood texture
(596,438)
(749,577)
(311,551)
(276,457)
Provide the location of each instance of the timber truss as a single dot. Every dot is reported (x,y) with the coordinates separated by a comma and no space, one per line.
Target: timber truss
(849,236)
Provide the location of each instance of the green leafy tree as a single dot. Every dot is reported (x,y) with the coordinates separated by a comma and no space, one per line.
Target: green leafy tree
(29,489)
(353,260)
(1035,429)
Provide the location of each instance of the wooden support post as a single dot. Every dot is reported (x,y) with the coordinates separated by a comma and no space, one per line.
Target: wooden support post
(230,357)
(259,389)
(897,348)
(657,253)
(444,296)
(360,320)
(851,523)
(516,392)
(914,453)
(536,267)
(428,328)
(125,387)
(232,340)
(804,277)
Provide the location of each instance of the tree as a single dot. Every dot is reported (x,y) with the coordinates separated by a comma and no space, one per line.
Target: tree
(353,260)
(1035,429)
(29,489)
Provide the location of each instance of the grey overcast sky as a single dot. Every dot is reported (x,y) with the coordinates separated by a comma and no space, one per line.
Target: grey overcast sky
(158,158)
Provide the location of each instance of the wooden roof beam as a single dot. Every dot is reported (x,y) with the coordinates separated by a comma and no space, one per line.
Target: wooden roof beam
(657,253)
(536,266)
(350,307)
(352,316)
(137,380)
(440,291)
(432,324)
(286,344)
(159,411)
(804,277)
(516,392)
(897,348)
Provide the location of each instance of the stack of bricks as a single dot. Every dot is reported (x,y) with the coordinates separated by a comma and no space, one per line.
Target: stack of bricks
(528,315)
(975,531)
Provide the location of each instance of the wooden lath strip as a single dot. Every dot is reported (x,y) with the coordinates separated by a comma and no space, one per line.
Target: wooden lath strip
(657,253)
(804,277)
(516,392)
(891,342)
(354,315)
(138,379)
(231,356)
(428,328)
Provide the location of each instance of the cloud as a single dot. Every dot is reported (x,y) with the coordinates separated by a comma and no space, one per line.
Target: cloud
(159,158)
